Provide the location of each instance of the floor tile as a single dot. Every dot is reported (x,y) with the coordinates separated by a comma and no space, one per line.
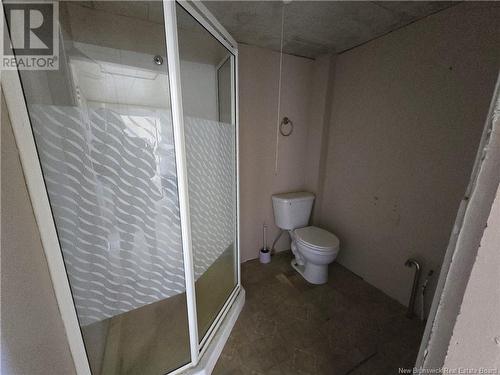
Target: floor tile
(289,326)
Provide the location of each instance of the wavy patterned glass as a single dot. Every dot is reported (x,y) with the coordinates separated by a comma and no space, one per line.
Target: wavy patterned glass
(112,184)
(210,134)
(103,129)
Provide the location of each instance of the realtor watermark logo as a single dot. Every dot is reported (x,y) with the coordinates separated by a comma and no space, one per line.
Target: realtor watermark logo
(33,27)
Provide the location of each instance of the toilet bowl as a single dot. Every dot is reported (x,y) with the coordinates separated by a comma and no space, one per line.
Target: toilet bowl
(313,248)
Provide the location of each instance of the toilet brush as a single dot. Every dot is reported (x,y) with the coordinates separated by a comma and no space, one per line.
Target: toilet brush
(265,254)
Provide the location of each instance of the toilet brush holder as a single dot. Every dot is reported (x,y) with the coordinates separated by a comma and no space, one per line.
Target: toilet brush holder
(265,253)
(265,256)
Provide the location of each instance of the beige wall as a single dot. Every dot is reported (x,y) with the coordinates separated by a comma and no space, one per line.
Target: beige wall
(320,100)
(407,114)
(32,334)
(258,93)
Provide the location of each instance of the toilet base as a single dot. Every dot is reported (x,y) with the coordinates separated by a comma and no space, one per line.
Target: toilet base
(313,273)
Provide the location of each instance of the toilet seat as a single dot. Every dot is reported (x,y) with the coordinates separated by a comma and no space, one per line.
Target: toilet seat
(317,239)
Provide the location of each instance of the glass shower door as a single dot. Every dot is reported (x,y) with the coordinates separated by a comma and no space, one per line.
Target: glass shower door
(103,130)
(208,100)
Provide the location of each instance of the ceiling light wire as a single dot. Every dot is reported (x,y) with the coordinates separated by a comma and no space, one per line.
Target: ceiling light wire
(278,122)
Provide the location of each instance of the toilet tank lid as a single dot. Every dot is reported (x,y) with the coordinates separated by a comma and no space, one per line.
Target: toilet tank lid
(317,237)
(298,196)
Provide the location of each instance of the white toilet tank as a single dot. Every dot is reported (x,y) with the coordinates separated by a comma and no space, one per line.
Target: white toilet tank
(292,210)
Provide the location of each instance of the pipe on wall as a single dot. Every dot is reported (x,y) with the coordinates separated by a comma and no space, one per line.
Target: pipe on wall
(411,306)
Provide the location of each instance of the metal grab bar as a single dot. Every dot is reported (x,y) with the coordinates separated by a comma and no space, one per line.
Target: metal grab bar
(411,306)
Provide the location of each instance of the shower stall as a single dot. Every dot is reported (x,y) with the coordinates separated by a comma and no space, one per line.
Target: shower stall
(130,152)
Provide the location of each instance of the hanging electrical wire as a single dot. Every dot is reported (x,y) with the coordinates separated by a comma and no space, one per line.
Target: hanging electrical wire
(278,122)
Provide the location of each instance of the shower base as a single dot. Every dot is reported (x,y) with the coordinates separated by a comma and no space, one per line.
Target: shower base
(214,349)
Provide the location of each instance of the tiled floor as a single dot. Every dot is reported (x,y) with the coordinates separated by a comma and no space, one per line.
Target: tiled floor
(290,327)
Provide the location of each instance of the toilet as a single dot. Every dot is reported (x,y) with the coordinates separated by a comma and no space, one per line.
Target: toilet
(313,248)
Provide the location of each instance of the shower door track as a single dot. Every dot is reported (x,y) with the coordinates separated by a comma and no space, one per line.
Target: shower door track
(16,103)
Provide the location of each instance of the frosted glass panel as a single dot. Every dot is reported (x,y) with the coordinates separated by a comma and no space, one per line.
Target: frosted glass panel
(208,101)
(103,130)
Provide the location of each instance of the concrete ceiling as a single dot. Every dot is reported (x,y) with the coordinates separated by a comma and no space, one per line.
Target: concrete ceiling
(313,28)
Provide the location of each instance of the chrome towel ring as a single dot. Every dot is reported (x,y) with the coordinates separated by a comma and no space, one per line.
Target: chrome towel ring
(284,124)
